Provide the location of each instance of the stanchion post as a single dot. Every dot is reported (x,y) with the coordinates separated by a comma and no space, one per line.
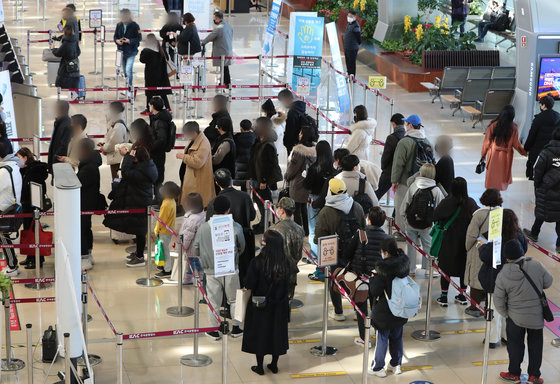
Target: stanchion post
(392,107)
(365,360)
(29,354)
(9,364)
(266,215)
(180,310)
(44,7)
(58,92)
(28,45)
(38,285)
(427,334)
(149,281)
(132,93)
(365,95)
(93,359)
(376,105)
(225,331)
(390,222)
(489,316)
(323,349)
(328,88)
(102,56)
(260,80)
(286,57)
(94,53)
(222,65)
(120,372)
(67,361)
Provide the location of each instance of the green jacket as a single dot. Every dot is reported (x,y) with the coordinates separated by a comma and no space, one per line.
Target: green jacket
(329,217)
(405,155)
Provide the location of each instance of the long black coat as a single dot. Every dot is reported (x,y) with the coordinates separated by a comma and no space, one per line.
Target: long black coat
(266,330)
(547,183)
(264,167)
(211,132)
(453,255)
(445,172)
(88,174)
(243,143)
(59,140)
(382,282)
(160,128)
(134,191)
(363,258)
(155,71)
(539,136)
(388,152)
(69,50)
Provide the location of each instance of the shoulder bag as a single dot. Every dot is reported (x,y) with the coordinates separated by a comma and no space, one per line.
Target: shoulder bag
(437,233)
(481,166)
(547,313)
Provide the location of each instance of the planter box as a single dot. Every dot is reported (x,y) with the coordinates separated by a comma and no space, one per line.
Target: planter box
(399,69)
(442,59)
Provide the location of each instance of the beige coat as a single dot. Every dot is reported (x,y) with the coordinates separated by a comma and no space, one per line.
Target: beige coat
(198,173)
(73,154)
(477,227)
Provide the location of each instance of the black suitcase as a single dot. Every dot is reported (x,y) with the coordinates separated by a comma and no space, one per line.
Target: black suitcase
(50,345)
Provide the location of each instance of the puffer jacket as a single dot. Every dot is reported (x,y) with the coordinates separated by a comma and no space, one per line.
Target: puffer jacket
(88,174)
(279,126)
(382,282)
(189,227)
(243,143)
(300,159)
(539,136)
(263,166)
(547,183)
(116,134)
(514,296)
(364,257)
(293,128)
(160,127)
(360,138)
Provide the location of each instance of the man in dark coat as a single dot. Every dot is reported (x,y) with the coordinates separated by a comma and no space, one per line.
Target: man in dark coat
(388,151)
(244,141)
(296,111)
(352,41)
(219,104)
(547,189)
(61,133)
(160,121)
(242,211)
(459,12)
(127,36)
(541,131)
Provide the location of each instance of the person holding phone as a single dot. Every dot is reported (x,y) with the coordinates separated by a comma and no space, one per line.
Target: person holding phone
(127,37)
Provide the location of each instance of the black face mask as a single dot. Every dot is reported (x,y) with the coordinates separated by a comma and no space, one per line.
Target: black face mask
(216,22)
(355,119)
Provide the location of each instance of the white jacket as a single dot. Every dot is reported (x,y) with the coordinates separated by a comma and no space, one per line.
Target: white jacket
(6,192)
(279,126)
(361,137)
(116,134)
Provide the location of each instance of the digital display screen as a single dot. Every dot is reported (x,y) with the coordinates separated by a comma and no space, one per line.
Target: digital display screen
(549,78)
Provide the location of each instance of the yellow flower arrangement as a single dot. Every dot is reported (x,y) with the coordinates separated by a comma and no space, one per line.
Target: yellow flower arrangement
(407,23)
(356,4)
(363,5)
(419,32)
(438,21)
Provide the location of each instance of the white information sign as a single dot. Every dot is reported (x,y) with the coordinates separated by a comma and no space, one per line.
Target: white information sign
(186,74)
(223,243)
(36,195)
(7,106)
(95,18)
(303,86)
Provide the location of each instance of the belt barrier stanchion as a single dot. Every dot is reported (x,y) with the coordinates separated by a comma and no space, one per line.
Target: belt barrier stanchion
(285,58)
(102,56)
(29,354)
(38,285)
(185,95)
(196,359)
(225,332)
(93,359)
(260,80)
(222,66)
(149,281)
(328,107)
(44,7)
(120,372)
(28,46)
(17,11)
(489,315)
(376,104)
(9,364)
(58,92)
(365,95)
(390,222)
(351,85)
(392,107)
(67,362)
(427,334)
(365,361)
(95,71)
(266,215)
(323,349)
(180,310)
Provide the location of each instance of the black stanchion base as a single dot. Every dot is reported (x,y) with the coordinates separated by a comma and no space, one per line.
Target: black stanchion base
(295,304)
(318,351)
(38,286)
(93,360)
(196,361)
(180,311)
(149,282)
(421,335)
(12,365)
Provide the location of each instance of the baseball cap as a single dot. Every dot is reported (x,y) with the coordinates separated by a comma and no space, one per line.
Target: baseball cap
(287,204)
(414,120)
(337,186)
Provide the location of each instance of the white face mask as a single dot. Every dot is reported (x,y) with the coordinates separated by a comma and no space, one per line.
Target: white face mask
(21,163)
(350,19)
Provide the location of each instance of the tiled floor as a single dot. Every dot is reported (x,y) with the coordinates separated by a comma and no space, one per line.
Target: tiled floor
(134,309)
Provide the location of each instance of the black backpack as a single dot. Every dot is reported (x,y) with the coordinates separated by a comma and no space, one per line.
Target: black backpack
(121,121)
(424,155)
(420,212)
(306,120)
(362,198)
(172,137)
(346,229)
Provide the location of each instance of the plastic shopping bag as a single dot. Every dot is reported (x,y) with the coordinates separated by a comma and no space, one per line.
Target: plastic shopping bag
(160,254)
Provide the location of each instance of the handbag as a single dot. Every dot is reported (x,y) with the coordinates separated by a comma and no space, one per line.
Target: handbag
(171,69)
(73,66)
(355,287)
(27,236)
(437,233)
(284,192)
(547,313)
(159,257)
(9,225)
(48,55)
(259,302)
(481,166)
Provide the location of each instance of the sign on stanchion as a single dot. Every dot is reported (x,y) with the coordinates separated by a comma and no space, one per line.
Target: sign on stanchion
(95,18)
(328,256)
(303,86)
(426,334)
(180,310)
(8,364)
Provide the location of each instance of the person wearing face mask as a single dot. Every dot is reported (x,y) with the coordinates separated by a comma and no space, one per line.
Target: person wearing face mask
(278,119)
(78,126)
(8,186)
(127,37)
(352,40)
(221,38)
(188,41)
(361,133)
(540,134)
(117,133)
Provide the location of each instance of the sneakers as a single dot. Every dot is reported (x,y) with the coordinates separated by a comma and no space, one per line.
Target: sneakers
(380,373)
(163,274)
(131,256)
(145,112)
(11,271)
(534,380)
(337,316)
(494,345)
(360,342)
(314,277)
(442,301)
(214,335)
(530,236)
(136,262)
(398,236)
(236,332)
(556,342)
(396,370)
(86,264)
(461,299)
(508,377)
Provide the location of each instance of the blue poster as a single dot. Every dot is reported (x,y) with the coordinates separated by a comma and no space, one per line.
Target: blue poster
(271,29)
(341,86)
(308,49)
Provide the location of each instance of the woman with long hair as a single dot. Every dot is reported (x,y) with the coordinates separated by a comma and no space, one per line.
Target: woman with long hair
(361,133)
(501,138)
(268,310)
(455,212)
(68,75)
(155,71)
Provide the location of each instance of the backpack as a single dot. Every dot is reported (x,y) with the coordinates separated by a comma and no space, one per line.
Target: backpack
(306,120)
(424,154)
(420,212)
(405,298)
(362,198)
(346,229)
(171,137)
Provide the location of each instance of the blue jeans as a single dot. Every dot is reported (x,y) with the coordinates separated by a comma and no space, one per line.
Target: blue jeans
(391,338)
(128,63)
(483,28)
(312,215)
(174,5)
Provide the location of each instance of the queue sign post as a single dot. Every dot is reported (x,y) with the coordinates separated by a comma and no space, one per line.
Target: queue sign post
(95,22)
(328,256)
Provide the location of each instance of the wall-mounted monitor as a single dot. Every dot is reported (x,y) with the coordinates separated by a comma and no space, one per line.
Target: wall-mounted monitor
(549,78)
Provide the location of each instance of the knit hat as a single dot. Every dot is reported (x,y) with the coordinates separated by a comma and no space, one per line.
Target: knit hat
(268,106)
(512,250)
(337,186)
(287,204)
(221,205)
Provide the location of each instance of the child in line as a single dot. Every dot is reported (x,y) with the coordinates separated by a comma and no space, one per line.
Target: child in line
(169,192)
(193,219)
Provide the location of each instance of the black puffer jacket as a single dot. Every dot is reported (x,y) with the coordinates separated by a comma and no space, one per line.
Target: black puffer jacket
(364,258)
(547,183)
(291,134)
(88,174)
(382,282)
(263,166)
(160,129)
(487,275)
(388,152)
(211,132)
(539,136)
(243,143)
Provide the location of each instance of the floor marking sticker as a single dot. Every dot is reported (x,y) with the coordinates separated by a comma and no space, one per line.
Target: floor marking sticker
(317,374)
(490,362)
(304,341)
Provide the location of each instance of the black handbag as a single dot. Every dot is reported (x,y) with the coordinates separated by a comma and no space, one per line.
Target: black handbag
(73,66)
(10,225)
(284,192)
(547,313)
(481,166)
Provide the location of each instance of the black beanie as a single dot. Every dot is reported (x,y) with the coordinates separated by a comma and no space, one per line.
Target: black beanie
(512,250)
(221,205)
(268,106)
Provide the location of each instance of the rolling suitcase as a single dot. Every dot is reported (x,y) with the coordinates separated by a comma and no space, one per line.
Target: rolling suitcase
(82,84)
(52,71)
